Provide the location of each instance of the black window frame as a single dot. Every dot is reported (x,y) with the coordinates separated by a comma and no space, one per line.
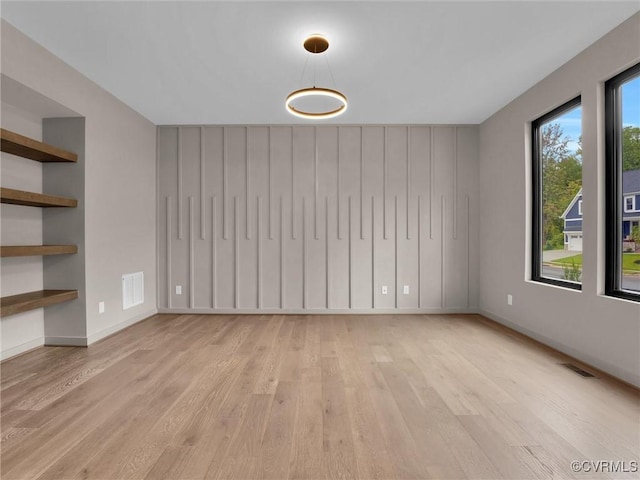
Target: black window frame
(536,177)
(613,179)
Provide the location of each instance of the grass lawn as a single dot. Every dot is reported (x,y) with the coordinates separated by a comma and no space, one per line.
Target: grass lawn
(628,261)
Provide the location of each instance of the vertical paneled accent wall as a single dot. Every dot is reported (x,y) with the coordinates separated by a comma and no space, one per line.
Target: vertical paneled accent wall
(306,218)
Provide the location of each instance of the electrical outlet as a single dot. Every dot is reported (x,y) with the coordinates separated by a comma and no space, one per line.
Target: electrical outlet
(405,290)
(509,299)
(100,307)
(385,290)
(178,289)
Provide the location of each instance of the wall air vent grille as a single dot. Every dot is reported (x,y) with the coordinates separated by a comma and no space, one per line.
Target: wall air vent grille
(132,290)
(578,370)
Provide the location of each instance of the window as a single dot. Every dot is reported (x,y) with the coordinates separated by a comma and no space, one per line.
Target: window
(557,196)
(629,204)
(622,124)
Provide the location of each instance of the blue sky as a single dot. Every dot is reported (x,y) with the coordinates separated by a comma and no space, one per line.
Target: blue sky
(631,103)
(571,121)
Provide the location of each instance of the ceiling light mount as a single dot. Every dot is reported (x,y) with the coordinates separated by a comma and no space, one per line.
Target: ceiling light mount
(316,44)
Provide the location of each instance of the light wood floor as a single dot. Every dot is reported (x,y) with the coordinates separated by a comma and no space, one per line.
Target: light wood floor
(243,397)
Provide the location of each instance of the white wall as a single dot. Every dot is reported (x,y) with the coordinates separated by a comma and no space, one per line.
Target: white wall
(601,331)
(120,180)
(20,225)
(421,230)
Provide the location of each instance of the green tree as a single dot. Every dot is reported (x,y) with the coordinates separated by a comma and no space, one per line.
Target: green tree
(554,143)
(630,148)
(572,271)
(579,150)
(635,234)
(561,180)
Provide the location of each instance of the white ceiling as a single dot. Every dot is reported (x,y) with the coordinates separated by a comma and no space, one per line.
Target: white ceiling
(397,62)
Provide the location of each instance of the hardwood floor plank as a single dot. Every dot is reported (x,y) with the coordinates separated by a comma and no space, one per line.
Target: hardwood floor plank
(13,417)
(216,388)
(310,356)
(248,439)
(65,412)
(338,452)
(372,457)
(278,435)
(466,450)
(245,397)
(560,452)
(306,452)
(499,452)
(299,334)
(125,459)
(437,458)
(331,370)
(170,462)
(456,395)
(169,427)
(13,434)
(48,444)
(544,465)
(405,455)
(242,454)
(238,398)
(268,378)
(75,459)
(207,449)
(138,453)
(93,391)
(238,468)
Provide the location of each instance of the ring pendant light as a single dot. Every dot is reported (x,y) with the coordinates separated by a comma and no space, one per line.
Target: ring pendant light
(316,44)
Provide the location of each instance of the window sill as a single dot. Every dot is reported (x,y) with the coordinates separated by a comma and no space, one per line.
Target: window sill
(569,287)
(631,298)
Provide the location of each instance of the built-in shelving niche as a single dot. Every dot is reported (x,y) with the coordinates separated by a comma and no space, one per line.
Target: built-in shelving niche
(21,146)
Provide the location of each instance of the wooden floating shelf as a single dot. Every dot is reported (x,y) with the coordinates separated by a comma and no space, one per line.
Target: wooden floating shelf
(32,250)
(32,300)
(26,147)
(20,197)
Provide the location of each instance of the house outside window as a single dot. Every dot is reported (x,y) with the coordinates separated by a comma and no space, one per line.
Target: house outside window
(622,125)
(557,196)
(629,204)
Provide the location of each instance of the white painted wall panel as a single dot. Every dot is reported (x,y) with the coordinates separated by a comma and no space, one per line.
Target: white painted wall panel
(319,218)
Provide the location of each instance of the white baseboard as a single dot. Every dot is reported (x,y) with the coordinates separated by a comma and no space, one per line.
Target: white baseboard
(632,378)
(299,311)
(25,347)
(94,337)
(65,341)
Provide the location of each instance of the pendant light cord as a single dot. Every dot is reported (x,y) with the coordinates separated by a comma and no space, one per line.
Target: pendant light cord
(330,71)
(304,69)
(314,69)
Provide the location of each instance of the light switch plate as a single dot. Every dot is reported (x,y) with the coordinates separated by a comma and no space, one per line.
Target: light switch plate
(385,290)
(178,289)
(100,307)
(405,290)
